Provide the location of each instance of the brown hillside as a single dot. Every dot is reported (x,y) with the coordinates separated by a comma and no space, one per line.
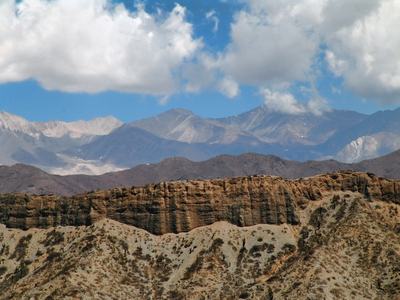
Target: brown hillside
(27,179)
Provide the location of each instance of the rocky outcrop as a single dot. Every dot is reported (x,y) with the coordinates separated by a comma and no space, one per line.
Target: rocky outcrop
(184,205)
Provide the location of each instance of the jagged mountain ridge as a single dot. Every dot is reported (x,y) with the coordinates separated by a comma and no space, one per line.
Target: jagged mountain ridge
(129,146)
(97,126)
(105,144)
(10,122)
(340,243)
(295,137)
(40,144)
(286,129)
(376,135)
(184,126)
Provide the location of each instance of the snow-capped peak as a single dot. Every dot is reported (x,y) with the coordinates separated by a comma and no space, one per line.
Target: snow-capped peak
(97,126)
(363,147)
(10,122)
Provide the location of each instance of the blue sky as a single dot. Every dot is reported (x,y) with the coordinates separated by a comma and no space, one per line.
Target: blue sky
(69,59)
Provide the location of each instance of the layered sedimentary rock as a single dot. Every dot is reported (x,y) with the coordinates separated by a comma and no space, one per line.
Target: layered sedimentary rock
(184,205)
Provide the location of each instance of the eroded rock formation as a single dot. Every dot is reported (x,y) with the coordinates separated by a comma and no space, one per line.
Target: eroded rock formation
(184,205)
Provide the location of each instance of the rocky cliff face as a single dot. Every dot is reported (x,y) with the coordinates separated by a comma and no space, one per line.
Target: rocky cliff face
(173,207)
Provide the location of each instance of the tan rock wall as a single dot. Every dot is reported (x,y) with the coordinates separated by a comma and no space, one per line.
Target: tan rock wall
(184,205)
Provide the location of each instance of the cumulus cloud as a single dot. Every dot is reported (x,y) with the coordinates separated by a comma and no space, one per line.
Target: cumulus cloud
(277,43)
(366,53)
(93,46)
(269,45)
(228,86)
(285,102)
(272,44)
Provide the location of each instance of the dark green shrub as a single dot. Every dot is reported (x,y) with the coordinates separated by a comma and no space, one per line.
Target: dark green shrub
(20,249)
(217,243)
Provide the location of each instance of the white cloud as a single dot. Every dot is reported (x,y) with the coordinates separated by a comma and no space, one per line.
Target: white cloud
(163,100)
(335,91)
(273,44)
(228,86)
(211,15)
(338,14)
(285,102)
(317,105)
(365,52)
(199,74)
(277,43)
(92,46)
(269,44)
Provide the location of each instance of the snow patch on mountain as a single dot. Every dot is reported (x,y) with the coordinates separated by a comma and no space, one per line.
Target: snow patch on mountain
(359,149)
(368,147)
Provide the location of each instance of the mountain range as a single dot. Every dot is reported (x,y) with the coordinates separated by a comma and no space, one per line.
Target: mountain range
(106,144)
(167,226)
